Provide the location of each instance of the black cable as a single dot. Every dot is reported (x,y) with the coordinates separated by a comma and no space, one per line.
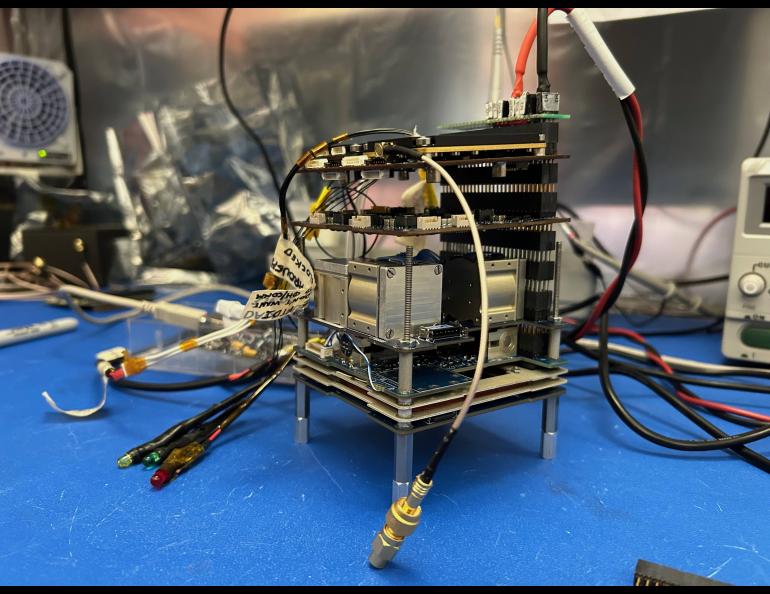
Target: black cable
(711,326)
(580,304)
(231,106)
(197,384)
(196,434)
(699,381)
(686,379)
(738,420)
(283,191)
(641,161)
(323,249)
(709,280)
(185,425)
(749,455)
(763,139)
(285,223)
(69,53)
(574,215)
(438,454)
(625,266)
(743,372)
(652,436)
(543,85)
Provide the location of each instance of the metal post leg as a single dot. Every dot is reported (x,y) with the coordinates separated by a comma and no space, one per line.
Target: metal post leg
(302,421)
(550,423)
(402,464)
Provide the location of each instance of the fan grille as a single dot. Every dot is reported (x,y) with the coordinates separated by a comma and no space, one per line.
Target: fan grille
(33,106)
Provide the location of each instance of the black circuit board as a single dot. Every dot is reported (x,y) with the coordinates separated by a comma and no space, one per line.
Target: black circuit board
(514,223)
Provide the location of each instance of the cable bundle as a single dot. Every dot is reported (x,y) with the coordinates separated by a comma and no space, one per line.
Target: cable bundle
(177,448)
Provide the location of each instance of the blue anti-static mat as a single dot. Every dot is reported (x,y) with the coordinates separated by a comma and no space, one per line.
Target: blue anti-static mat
(259,509)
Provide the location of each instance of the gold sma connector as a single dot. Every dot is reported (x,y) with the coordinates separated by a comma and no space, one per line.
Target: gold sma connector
(402,520)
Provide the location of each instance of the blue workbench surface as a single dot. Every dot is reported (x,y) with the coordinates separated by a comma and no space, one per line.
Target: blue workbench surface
(260,509)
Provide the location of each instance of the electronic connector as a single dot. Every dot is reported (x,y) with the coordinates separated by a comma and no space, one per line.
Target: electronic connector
(654,574)
(439,332)
(402,519)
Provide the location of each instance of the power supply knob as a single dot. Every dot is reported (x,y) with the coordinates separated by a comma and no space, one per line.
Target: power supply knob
(752,284)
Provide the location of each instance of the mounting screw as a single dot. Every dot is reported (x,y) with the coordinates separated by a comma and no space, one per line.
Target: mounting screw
(391,272)
(389,333)
(437,269)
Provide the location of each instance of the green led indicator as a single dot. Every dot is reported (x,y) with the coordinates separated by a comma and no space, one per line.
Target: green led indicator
(42,153)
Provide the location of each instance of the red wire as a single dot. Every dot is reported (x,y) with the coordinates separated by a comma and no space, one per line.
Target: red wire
(638,223)
(524,50)
(704,232)
(518,89)
(710,404)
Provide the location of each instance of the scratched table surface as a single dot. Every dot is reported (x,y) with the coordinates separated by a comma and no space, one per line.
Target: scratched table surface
(261,510)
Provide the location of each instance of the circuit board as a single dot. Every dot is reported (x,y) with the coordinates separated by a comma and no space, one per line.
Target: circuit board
(430,373)
(485,123)
(522,223)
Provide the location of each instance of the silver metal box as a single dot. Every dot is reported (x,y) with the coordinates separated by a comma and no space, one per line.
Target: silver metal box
(376,297)
(331,296)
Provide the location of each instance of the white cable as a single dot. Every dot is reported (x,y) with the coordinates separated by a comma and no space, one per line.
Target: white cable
(209,288)
(600,53)
(198,342)
(675,362)
(667,288)
(484,335)
(42,188)
(171,313)
(497,53)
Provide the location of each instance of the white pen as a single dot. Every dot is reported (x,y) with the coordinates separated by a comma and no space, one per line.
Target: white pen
(32,331)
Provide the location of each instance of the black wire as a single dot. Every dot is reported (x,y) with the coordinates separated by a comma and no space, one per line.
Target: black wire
(323,249)
(744,421)
(231,106)
(686,379)
(580,304)
(198,384)
(283,191)
(625,266)
(543,85)
(654,437)
(709,280)
(195,434)
(430,469)
(763,138)
(749,455)
(699,381)
(69,52)
(740,372)
(285,223)
(185,425)
(711,326)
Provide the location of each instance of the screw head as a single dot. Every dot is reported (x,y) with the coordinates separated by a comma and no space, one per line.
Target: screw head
(437,269)
(391,272)
(389,333)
